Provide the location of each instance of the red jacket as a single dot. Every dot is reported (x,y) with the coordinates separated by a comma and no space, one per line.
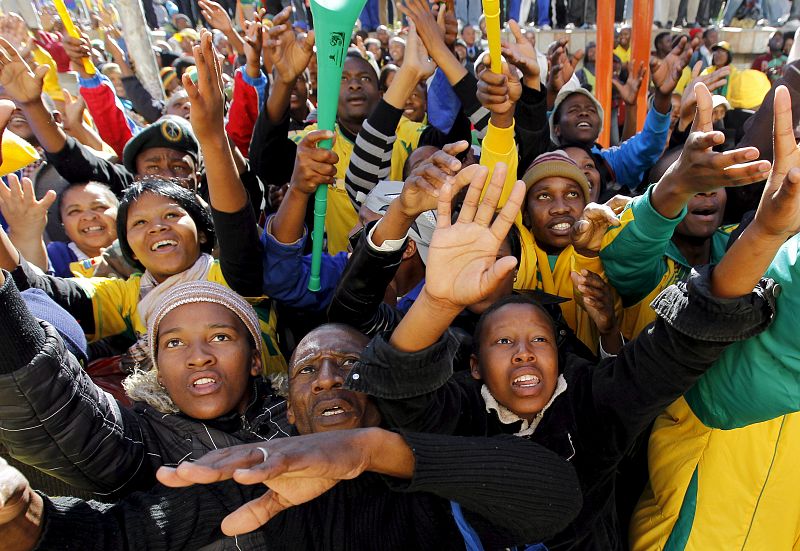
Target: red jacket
(109,116)
(248,98)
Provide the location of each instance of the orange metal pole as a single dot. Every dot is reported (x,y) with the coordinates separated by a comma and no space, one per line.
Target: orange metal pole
(641,44)
(603,64)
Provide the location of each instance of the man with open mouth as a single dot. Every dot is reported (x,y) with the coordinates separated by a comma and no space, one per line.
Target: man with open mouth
(511,490)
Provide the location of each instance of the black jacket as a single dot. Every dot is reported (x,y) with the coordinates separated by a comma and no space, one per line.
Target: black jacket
(510,491)
(605,406)
(53,417)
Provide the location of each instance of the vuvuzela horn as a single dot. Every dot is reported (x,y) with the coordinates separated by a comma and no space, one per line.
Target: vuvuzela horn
(333,25)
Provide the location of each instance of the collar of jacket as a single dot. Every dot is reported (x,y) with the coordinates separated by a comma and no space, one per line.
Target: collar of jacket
(508,417)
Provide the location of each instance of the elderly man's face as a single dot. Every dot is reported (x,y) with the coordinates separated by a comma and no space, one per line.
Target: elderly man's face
(320,364)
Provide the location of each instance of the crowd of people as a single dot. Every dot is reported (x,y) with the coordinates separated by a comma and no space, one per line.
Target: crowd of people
(522,338)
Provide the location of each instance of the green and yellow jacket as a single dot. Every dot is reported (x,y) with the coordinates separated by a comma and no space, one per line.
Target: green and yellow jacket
(640,259)
(723,459)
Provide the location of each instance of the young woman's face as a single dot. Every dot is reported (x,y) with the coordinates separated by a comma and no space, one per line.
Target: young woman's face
(518,358)
(552,206)
(162,235)
(89,215)
(205,360)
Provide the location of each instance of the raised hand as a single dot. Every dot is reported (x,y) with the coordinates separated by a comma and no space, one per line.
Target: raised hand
(313,166)
(422,187)
(22,82)
(522,54)
(207,96)
(562,66)
(290,54)
(74,107)
(447,22)
(112,47)
(24,213)
(777,217)
(712,81)
(778,211)
(430,32)
(588,231)
(699,169)
(462,266)
(215,15)
(26,217)
(595,296)
(14,29)
(499,93)
(667,72)
(295,469)
(416,56)
(629,91)
(77,49)
(361,48)
(253,44)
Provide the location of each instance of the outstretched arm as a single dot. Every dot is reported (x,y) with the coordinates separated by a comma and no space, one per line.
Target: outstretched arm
(301,468)
(238,238)
(778,215)
(290,56)
(359,296)
(633,255)
(462,268)
(372,152)
(26,217)
(68,428)
(24,84)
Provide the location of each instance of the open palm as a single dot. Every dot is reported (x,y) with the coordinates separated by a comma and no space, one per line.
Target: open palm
(667,72)
(779,209)
(521,53)
(16,77)
(629,91)
(462,266)
(289,55)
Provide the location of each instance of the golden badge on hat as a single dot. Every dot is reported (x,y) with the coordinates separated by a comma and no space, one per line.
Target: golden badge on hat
(171,131)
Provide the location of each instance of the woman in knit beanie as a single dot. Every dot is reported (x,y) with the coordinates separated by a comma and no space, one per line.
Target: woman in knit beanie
(230,357)
(204,392)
